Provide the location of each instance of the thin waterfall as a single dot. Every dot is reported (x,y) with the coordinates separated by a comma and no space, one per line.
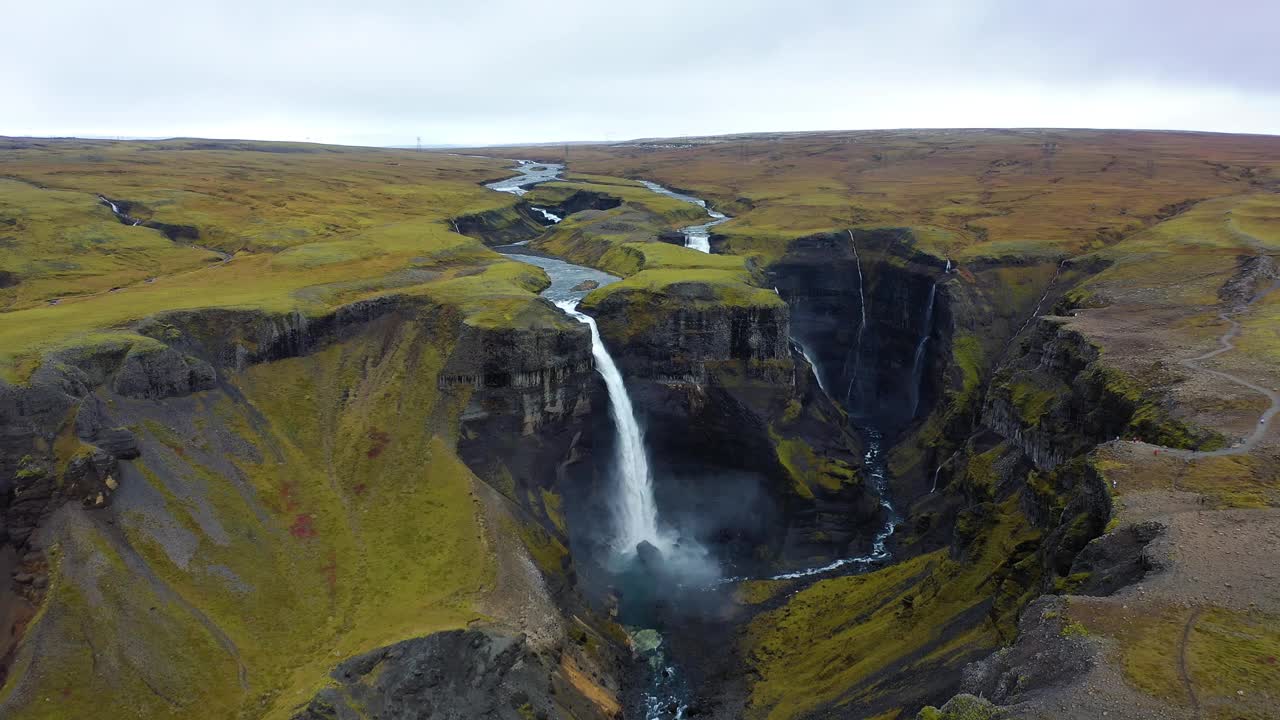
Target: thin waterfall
(917,365)
(817,375)
(635,511)
(862,324)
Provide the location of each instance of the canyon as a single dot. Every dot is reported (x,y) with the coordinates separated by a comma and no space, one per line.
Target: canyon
(841,431)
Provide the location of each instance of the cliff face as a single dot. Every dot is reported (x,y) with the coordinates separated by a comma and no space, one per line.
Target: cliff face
(885,369)
(994,513)
(501,226)
(682,333)
(1056,399)
(737,428)
(220,460)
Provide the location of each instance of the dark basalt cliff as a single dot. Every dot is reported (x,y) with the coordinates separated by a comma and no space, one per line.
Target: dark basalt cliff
(832,282)
(1055,399)
(989,454)
(745,444)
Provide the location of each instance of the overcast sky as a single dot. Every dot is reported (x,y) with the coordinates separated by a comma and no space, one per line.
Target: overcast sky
(385,72)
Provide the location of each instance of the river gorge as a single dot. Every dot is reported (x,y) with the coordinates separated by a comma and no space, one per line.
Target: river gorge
(651,561)
(715,429)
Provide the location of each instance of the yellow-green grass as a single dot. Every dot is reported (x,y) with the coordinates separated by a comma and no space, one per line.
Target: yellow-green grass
(828,642)
(727,287)
(348,523)
(310,279)
(314,227)
(672,213)
(609,240)
(1186,259)
(1245,481)
(1230,657)
(576,177)
(252,196)
(55,243)
(1046,192)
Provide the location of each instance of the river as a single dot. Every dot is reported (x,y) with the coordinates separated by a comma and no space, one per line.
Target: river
(697,237)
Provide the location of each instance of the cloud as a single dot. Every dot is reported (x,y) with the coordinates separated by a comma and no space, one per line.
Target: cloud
(388,71)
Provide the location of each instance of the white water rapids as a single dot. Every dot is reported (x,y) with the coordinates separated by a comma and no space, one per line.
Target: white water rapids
(550,216)
(696,237)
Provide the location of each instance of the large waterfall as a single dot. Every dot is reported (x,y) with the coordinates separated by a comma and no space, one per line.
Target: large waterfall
(635,511)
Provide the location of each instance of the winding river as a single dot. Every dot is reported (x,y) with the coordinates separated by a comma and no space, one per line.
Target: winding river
(697,237)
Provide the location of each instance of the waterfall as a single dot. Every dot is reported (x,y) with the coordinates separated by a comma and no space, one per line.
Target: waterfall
(938,471)
(550,216)
(635,510)
(696,237)
(813,365)
(917,366)
(862,324)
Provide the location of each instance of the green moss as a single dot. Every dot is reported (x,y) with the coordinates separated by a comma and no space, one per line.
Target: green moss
(981,479)
(1033,401)
(1073,630)
(845,640)
(551,505)
(347,524)
(711,288)
(969,359)
(961,707)
(547,551)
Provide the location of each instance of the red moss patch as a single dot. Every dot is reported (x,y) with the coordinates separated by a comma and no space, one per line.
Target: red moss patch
(378,442)
(302,526)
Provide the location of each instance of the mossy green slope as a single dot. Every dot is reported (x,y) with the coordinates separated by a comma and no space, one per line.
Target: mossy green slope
(854,640)
(313,511)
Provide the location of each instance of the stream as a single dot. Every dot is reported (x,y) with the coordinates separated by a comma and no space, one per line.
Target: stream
(666,695)
(697,237)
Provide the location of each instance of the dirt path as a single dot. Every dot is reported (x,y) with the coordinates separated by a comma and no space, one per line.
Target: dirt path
(1183,673)
(1226,345)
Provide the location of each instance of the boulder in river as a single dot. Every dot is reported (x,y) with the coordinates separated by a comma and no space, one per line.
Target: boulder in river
(586,285)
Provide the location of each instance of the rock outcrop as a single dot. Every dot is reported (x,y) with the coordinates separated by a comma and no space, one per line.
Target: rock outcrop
(459,675)
(500,226)
(1056,399)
